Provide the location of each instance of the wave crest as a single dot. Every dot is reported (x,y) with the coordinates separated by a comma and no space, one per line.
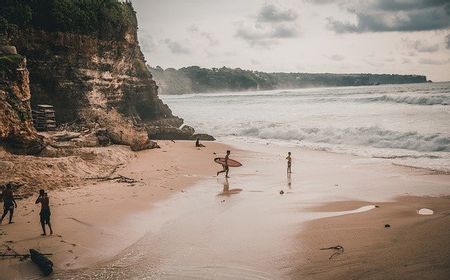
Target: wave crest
(360,136)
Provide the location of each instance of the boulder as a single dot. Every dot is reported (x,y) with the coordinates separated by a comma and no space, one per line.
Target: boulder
(203,137)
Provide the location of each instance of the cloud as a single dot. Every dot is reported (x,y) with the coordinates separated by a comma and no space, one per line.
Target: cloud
(336,57)
(396,15)
(421,46)
(271,13)
(146,42)
(402,5)
(176,47)
(272,24)
(195,30)
(265,35)
(433,61)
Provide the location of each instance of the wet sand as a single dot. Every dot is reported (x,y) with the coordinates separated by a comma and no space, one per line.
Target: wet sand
(183,223)
(95,221)
(412,247)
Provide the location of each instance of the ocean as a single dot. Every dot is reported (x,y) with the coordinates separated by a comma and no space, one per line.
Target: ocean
(405,124)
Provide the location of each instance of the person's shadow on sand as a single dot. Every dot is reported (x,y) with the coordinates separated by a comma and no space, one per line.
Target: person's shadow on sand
(226,189)
(289,181)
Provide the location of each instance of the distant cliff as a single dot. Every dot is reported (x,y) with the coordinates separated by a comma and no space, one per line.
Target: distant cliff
(194,79)
(84,58)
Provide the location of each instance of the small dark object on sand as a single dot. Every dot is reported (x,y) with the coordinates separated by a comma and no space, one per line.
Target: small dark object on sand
(338,250)
(387,225)
(45,265)
(377,206)
(281,192)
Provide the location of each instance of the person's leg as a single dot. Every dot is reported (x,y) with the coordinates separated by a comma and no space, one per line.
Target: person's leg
(226,174)
(49,225)
(43,225)
(11,213)
(223,170)
(5,211)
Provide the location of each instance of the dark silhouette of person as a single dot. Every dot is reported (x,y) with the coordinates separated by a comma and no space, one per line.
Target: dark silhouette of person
(45,211)
(9,203)
(225,165)
(289,163)
(197,143)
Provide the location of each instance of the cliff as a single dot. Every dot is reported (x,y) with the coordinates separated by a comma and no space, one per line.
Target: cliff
(16,125)
(195,79)
(86,62)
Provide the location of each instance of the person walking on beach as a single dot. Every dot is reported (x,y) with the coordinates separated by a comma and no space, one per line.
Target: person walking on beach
(225,165)
(9,203)
(45,211)
(289,163)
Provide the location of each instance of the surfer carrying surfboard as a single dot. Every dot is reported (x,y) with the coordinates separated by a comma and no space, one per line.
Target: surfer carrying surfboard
(225,165)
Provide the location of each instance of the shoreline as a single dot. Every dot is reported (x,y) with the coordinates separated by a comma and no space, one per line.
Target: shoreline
(98,223)
(91,220)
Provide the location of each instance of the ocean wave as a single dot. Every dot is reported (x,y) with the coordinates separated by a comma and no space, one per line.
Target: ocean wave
(360,136)
(415,100)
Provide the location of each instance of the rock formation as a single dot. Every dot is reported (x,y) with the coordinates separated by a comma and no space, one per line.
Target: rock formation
(17,132)
(96,81)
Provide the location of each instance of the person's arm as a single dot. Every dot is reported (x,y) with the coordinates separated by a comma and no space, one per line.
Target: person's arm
(38,200)
(15,203)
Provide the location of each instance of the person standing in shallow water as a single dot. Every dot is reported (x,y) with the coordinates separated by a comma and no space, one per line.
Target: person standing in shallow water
(9,203)
(45,211)
(289,163)
(225,165)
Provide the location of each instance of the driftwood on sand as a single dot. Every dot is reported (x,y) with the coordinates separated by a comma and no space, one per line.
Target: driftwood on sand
(41,260)
(44,264)
(110,177)
(338,249)
(117,178)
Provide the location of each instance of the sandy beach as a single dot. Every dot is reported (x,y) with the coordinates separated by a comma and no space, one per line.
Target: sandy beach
(412,246)
(90,221)
(174,221)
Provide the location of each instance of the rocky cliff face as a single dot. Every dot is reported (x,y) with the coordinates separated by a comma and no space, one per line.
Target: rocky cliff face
(89,81)
(16,125)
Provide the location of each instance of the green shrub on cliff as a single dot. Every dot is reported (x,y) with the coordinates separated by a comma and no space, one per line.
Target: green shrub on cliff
(104,19)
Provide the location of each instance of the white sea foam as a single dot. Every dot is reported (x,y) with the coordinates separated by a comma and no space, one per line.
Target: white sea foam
(406,124)
(362,136)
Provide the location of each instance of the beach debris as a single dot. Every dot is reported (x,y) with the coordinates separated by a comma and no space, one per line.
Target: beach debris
(338,249)
(377,206)
(44,264)
(387,225)
(66,136)
(281,192)
(425,211)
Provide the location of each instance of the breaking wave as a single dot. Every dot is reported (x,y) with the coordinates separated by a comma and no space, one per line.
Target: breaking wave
(415,100)
(359,136)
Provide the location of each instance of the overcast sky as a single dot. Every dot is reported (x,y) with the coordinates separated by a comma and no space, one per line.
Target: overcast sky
(343,36)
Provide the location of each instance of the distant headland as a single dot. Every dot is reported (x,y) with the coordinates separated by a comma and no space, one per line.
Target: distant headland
(194,79)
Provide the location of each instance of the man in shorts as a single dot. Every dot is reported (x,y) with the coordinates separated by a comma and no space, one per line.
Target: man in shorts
(225,166)
(45,211)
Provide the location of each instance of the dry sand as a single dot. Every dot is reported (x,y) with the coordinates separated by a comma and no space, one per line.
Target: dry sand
(96,221)
(88,220)
(413,247)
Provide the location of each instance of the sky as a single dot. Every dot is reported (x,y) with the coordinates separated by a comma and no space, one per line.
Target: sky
(316,36)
